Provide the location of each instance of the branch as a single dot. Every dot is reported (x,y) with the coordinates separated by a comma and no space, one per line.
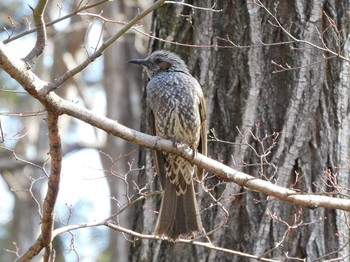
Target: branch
(211,9)
(45,238)
(290,35)
(39,47)
(55,21)
(58,82)
(154,237)
(7,163)
(18,70)
(220,170)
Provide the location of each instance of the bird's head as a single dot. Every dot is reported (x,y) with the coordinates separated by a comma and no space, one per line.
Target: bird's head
(161,61)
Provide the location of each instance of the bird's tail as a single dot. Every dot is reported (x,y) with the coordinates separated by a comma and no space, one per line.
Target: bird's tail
(179,213)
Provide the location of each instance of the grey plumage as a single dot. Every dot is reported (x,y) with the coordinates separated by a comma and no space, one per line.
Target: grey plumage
(177,112)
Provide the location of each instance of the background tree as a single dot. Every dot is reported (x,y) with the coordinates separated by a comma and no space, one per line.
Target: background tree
(277,109)
(275,78)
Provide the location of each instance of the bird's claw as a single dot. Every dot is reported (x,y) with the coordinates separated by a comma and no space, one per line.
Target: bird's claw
(194,151)
(175,143)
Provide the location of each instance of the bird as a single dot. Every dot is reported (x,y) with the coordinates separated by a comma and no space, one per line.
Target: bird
(177,112)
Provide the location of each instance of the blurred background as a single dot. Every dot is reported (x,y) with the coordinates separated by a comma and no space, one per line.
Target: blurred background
(96,166)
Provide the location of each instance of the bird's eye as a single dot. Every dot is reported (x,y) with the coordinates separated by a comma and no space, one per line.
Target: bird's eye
(158,60)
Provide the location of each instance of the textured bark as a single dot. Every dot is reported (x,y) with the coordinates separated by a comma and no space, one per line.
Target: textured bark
(308,106)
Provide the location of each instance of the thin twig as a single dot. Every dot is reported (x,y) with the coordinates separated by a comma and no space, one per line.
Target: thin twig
(289,34)
(58,82)
(154,237)
(55,21)
(211,9)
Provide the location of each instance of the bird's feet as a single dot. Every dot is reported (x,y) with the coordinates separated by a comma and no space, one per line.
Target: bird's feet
(176,144)
(194,151)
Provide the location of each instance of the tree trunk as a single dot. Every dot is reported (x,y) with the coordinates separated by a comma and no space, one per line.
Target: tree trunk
(122,93)
(300,112)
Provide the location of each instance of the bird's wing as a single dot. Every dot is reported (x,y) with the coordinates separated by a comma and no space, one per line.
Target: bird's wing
(157,155)
(202,147)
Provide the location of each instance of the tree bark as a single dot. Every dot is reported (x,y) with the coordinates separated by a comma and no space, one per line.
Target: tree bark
(303,110)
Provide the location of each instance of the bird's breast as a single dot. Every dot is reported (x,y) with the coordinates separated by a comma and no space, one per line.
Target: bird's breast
(175,109)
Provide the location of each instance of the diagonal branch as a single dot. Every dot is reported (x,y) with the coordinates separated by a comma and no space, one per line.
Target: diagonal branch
(222,171)
(58,82)
(79,9)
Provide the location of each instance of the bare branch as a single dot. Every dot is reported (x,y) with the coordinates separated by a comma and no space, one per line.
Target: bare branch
(149,35)
(289,68)
(45,238)
(79,9)
(222,171)
(290,35)
(211,9)
(153,237)
(18,70)
(39,47)
(58,82)
(19,162)
(40,112)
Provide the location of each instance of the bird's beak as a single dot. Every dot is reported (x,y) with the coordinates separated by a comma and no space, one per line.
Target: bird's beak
(138,61)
